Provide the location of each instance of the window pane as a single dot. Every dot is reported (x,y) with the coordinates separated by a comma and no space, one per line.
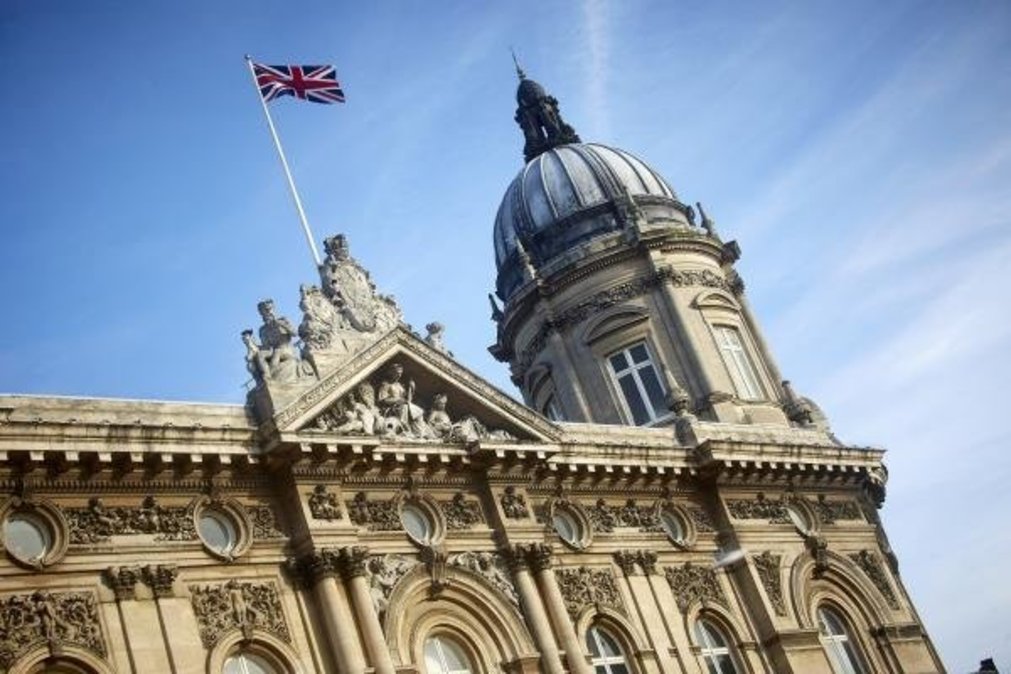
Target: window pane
(607,644)
(26,537)
(217,531)
(416,523)
(725,665)
(654,390)
(635,403)
(639,353)
(619,363)
(619,668)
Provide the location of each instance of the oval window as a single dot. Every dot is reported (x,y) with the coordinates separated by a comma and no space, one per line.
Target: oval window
(674,526)
(417,523)
(218,531)
(567,527)
(27,537)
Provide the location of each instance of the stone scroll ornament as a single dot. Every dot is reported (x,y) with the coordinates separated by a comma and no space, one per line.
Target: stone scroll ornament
(588,587)
(387,406)
(872,566)
(246,606)
(694,582)
(53,619)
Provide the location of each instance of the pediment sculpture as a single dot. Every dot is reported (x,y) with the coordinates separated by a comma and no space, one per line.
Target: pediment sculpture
(390,407)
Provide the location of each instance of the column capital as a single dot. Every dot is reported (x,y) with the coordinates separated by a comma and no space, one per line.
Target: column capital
(160,578)
(352,560)
(540,556)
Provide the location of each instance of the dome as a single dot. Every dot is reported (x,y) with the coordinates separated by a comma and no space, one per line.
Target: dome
(565,181)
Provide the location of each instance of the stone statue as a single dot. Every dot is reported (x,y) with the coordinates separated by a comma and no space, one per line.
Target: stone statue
(438,419)
(434,337)
(395,402)
(275,357)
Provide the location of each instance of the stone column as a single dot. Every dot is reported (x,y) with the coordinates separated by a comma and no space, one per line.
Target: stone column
(537,619)
(352,565)
(540,562)
(321,573)
(650,620)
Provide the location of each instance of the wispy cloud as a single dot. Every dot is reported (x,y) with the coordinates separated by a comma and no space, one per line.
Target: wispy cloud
(598,39)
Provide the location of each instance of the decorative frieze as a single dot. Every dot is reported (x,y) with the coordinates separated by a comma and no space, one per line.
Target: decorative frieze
(98,523)
(264,521)
(383,574)
(323,505)
(606,518)
(53,619)
(514,505)
(694,582)
(374,515)
(461,513)
(767,566)
(492,567)
(627,560)
(245,606)
(830,511)
(700,518)
(588,587)
(759,508)
(871,565)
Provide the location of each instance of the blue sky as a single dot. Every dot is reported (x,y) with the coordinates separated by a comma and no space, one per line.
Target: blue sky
(859,152)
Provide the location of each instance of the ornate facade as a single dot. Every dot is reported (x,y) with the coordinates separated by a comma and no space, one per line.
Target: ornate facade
(663,503)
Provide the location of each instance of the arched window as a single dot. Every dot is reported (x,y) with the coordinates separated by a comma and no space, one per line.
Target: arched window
(714,649)
(445,656)
(605,653)
(59,667)
(245,662)
(838,644)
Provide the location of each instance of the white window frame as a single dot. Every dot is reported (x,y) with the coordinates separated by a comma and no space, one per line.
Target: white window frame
(606,661)
(634,370)
(731,344)
(710,652)
(844,660)
(438,640)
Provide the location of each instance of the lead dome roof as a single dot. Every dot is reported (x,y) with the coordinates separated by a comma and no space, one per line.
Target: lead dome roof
(564,181)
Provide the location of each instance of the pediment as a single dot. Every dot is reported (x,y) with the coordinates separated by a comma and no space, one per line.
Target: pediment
(434,398)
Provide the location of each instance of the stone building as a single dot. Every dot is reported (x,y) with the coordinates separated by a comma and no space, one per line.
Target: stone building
(663,503)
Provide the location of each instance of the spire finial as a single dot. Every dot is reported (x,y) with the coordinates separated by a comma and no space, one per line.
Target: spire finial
(519,71)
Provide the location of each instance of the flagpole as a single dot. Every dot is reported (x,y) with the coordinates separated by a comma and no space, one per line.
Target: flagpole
(284,164)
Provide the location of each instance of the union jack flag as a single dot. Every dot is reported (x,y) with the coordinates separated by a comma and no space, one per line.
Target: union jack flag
(311,83)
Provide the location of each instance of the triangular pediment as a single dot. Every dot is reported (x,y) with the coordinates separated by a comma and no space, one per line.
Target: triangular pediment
(432,398)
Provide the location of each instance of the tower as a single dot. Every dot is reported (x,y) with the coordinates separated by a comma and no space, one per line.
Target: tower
(621,302)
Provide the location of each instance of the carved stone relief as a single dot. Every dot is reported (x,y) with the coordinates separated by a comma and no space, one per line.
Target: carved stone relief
(323,505)
(98,523)
(245,606)
(383,574)
(264,522)
(514,505)
(605,518)
(830,511)
(123,581)
(767,566)
(694,582)
(274,358)
(588,587)
(492,567)
(387,406)
(48,618)
(700,518)
(160,578)
(374,515)
(461,513)
(871,565)
(759,508)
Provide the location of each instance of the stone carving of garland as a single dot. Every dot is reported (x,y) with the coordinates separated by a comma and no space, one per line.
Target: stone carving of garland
(871,565)
(264,522)
(605,518)
(514,506)
(461,513)
(759,508)
(767,565)
(694,582)
(98,523)
(830,511)
(700,518)
(43,618)
(374,515)
(585,587)
(238,605)
(493,568)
